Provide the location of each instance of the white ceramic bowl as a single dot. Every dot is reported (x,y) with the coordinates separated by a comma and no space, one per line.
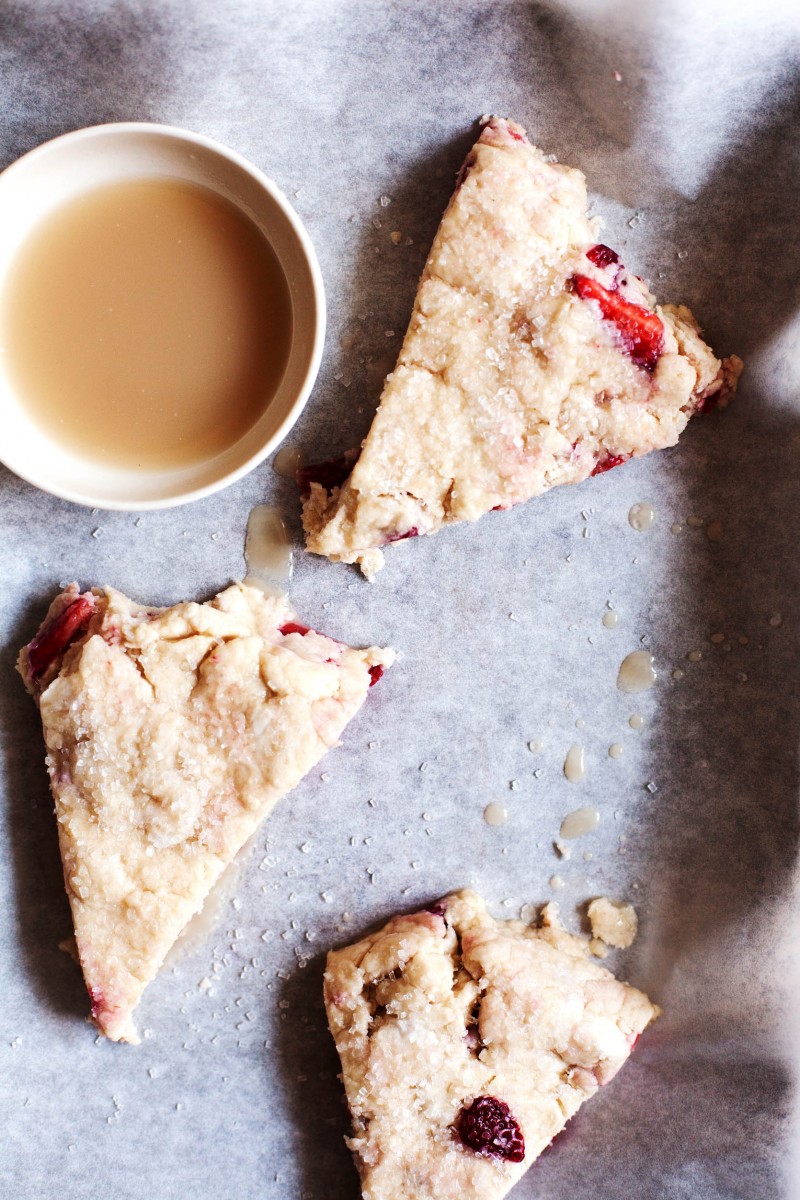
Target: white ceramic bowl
(57,171)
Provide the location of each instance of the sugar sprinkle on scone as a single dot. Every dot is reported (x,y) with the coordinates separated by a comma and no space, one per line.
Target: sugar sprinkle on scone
(170,735)
(467,1043)
(532,358)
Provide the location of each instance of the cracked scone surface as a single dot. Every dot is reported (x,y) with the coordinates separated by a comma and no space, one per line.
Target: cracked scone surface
(447,1010)
(170,735)
(532,359)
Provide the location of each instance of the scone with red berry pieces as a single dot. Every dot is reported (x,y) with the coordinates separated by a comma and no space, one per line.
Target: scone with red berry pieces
(170,735)
(533,358)
(467,1043)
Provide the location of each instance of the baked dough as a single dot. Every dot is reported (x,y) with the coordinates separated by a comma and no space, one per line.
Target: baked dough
(170,735)
(467,1044)
(532,359)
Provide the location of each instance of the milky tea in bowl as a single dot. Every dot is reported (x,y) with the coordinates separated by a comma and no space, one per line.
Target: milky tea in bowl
(146,324)
(149,332)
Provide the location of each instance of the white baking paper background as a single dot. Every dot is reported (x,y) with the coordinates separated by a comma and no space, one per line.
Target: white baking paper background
(685,119)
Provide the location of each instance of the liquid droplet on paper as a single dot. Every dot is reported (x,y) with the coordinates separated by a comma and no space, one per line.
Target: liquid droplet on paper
(694,655)
(636,721)
(268,551)
(579,822)
(495,813)
(536,746)
(615,751)
(678,674)
(575,764)
(580,723)
(641,516)
(610,620)
(556,883)
(287,462)
(637,672)
(715,531)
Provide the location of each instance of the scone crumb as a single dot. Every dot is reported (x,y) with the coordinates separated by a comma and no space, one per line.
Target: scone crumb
(598,948)
(613,922)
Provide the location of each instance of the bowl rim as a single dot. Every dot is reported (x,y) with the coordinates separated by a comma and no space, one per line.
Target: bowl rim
(318,316)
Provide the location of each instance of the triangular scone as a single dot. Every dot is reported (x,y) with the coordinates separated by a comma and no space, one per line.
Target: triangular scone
(466,1045)
(532,359)
(170,735)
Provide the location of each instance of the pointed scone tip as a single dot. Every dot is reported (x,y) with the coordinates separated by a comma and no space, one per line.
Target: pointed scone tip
(170,735)
(532,358)
(467,1043)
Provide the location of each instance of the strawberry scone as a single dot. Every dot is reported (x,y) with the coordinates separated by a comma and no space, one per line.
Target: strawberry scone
(533,358)
(170,735)
(467,1044)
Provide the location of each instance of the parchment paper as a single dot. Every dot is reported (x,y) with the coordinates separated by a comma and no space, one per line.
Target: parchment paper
(684,118)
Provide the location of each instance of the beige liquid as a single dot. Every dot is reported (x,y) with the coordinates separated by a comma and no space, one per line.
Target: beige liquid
(575,764)
(641,516)
(495,813)
(637,672)
(268,551)
(580,822)
(146,324)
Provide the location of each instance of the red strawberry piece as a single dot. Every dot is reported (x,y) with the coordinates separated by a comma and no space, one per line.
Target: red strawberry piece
(98,1001)
(488,1127)
(374,675)
(516,136)
(330,474)
(639,329)
(707,404)
(54,639)
(602,256)
(609,462)
(401,537)
(296,627)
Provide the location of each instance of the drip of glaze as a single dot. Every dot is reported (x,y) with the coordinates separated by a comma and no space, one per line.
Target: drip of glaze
(495,813)
(636,721)
(288,461)
(536,746)
(268,551)
(637,672)
(615,751)
(579,822)
(641,516)
(575,764)
(610,620)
